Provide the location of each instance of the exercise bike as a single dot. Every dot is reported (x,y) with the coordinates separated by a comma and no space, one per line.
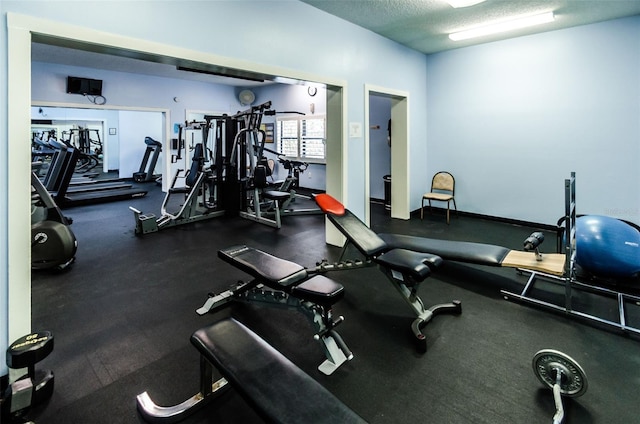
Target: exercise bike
(53,244)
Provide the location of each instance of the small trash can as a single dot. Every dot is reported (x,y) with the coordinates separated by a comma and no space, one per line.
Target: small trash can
(387,192)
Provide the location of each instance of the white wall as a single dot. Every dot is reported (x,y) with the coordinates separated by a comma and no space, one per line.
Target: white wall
(512,119)
(134,127)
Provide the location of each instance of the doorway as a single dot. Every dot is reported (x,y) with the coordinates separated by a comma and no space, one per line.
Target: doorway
(398,149)
(380,150)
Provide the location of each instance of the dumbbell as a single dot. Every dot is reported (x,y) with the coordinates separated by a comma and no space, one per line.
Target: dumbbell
(36,386)
(533,242)
(562,374)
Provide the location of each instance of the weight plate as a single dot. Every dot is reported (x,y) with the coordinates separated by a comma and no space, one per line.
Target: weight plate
(547,362)
(30,349)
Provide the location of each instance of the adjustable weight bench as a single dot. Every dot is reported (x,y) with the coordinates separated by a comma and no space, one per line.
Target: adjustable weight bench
(405,268)
(272,385)
(278,282)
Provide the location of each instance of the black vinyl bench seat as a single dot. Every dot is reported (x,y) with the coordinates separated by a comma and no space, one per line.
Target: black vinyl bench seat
(319,289)
(272,270)
(462,251)
(277,389)
(284,275)
(271,384)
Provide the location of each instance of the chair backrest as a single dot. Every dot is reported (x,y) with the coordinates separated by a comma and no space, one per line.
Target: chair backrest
(443,181)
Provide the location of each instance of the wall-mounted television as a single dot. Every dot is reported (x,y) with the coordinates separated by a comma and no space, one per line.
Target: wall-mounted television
(84,86)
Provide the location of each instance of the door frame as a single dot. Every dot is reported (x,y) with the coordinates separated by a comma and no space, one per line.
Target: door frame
(400,165)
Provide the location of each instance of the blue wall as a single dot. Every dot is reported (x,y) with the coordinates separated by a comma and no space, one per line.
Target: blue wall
(512,119)
(48,83)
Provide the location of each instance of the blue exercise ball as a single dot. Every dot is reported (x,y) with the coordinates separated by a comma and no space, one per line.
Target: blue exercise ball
(607,247)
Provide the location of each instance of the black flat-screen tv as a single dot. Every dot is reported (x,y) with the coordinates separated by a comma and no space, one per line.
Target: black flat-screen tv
(76,85)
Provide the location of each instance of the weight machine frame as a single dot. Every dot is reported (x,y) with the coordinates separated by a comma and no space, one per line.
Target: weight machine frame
(569,279)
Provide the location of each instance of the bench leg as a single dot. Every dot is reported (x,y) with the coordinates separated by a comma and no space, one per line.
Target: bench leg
(335,356)
(410,295)
(209,390)
(218,300)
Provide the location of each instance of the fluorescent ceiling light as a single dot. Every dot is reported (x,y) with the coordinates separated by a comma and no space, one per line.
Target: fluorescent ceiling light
(463,3)
(503,26)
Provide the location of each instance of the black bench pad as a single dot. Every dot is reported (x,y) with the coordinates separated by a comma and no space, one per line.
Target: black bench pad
(319,289)
(356,231)
(460,251)
(261,265)
(418,265)
(277,389)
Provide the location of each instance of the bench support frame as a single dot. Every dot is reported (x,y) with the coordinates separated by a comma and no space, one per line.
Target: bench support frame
(209,389)
(335,349)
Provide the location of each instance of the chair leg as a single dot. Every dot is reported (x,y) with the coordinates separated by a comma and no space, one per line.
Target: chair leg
(447,213)
(422,209)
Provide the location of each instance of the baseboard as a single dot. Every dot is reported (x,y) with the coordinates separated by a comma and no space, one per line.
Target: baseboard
(511,221)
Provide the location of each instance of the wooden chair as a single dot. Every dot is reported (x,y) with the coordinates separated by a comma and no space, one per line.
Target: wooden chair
(443,187)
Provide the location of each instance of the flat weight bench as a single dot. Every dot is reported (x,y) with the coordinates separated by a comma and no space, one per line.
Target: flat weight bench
(405,268)
(272,385)
(288,285)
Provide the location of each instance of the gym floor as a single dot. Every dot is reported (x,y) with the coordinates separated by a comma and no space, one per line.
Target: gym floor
(123,314)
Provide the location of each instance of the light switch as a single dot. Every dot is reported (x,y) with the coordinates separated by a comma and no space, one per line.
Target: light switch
(355,129)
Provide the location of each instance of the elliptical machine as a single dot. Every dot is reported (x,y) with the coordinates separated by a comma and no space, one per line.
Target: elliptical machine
(53,244)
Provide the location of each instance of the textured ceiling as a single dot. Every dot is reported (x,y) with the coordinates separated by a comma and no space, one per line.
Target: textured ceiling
(424,25)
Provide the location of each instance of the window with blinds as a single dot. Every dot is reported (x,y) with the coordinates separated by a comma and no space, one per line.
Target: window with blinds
(301,138)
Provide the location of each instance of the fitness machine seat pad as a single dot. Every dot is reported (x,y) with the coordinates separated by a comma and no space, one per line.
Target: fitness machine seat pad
(278,390)
(275,195)
(274,271)
(415,264)
(460,251)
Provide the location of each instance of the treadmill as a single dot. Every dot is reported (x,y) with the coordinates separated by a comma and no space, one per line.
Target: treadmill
(94,193)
